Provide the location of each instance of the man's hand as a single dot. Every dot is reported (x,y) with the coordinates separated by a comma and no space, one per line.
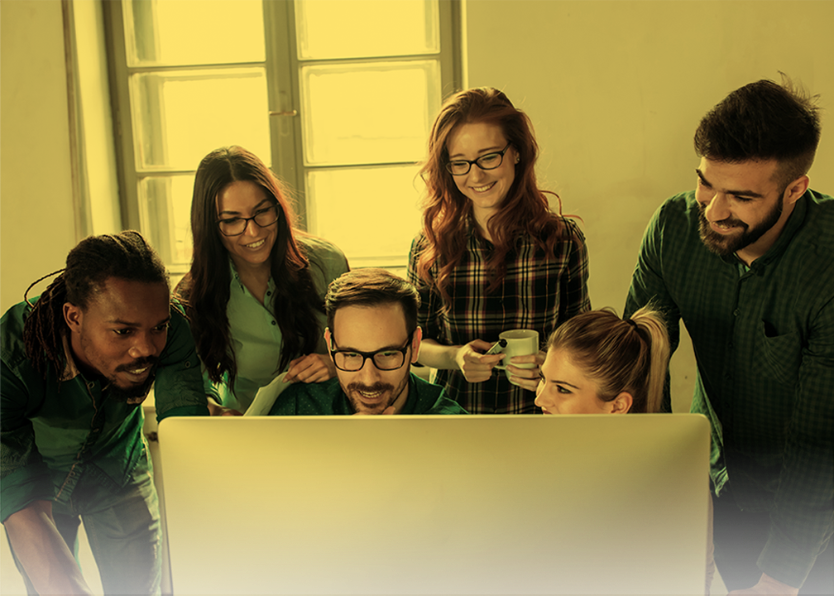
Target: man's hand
(526,378)
(474,364)
(768,585)
(312,368)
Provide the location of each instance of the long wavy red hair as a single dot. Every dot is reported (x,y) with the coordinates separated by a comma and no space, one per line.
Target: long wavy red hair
(525,209)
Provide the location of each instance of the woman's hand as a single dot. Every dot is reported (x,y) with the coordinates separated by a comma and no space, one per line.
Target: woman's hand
(215,409)
(526,378)
(473,363)
(312,368)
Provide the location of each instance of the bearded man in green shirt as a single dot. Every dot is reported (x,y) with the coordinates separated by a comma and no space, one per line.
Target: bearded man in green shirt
(77,363)
(747,262)
(373,338)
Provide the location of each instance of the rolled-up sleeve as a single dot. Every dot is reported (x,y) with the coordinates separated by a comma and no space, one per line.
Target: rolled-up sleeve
(178,389)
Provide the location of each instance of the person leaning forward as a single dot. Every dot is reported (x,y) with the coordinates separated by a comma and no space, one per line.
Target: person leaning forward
(746,260)
(77,363)
(373,338)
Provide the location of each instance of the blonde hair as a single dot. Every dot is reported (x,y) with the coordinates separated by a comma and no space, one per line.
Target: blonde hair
(619,354)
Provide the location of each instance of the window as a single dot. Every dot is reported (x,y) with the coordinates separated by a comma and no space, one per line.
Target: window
(337,96)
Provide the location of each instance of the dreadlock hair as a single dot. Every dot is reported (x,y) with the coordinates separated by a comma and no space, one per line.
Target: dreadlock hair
(205,288)
(619,354)
(525,209)
(90,264)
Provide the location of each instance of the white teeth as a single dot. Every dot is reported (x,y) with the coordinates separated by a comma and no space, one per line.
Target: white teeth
(371,395)
(483,188)
(138,371)
(256,244)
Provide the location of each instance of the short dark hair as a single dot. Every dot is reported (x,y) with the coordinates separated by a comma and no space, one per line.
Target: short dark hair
(90,264)
(762,121)
(371,287)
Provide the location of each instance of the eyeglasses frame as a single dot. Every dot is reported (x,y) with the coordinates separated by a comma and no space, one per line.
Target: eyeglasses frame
(370,355)
(474,162)
(246,221)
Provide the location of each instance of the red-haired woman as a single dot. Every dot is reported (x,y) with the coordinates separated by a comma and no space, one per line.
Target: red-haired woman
(255,291)
(492,255)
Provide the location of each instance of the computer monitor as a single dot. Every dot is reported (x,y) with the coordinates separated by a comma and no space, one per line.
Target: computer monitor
(593,504)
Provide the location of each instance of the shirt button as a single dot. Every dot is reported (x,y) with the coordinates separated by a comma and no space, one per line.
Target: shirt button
(735,313)
(274,323)
(269,293)
(91,384)
(187,364)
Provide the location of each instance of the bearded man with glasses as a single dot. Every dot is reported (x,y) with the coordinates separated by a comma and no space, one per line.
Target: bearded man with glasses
(373,337)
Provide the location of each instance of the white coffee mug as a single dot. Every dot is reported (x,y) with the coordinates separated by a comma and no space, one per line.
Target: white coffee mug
(520,342)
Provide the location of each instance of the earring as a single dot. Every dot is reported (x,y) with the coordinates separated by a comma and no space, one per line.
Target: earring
(517,159)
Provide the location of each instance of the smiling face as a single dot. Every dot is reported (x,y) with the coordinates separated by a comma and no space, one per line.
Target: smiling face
(120,335)
(487,189)
(565,388)
(741,207)
(253,247)
(372,329)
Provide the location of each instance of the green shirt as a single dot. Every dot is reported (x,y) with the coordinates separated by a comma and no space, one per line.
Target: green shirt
(255,336)
(764,343)
(54,430)
(328,398)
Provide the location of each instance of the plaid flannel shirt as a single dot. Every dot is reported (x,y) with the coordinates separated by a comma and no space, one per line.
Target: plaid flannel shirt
(537,293)
(764,343)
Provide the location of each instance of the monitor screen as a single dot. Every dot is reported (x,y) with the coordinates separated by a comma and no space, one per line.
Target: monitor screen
(594,504)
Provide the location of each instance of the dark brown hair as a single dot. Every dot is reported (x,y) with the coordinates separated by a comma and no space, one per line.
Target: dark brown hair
(762,121)
(205,288)
(371,287)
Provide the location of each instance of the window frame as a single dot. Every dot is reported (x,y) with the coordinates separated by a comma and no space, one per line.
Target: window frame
(283,72)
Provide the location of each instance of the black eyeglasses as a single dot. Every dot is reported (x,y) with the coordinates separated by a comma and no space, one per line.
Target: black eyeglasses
(235,226)
(354,361)
(490,161)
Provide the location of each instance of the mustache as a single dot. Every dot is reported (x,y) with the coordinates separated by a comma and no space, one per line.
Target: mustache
(141,363)
(370,388)
(727,222)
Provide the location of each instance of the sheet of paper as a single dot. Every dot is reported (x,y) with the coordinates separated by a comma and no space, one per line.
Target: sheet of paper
(266,397)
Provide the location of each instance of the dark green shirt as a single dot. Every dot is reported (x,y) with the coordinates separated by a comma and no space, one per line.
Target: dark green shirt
(764,343)
(53,431)
(328,398)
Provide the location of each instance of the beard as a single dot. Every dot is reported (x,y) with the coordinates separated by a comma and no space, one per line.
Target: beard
(353,389)
(134,394)
(725,245)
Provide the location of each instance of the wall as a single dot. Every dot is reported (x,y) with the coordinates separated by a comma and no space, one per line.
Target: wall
(616,90)
(37,226)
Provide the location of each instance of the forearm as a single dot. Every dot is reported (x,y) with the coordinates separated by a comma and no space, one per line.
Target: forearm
(42,552)
(438,356)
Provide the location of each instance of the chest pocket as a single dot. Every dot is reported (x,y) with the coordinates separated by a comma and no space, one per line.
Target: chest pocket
(780,355)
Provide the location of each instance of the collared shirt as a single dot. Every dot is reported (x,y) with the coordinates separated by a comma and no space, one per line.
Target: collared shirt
(538,292)
(328,399)
(764,343)
(53,430)
(256,338)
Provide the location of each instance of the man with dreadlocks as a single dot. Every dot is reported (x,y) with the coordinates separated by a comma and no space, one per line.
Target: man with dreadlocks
(76,365)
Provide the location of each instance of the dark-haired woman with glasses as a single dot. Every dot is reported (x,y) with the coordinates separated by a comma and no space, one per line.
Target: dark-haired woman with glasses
(255,291)
(492,255)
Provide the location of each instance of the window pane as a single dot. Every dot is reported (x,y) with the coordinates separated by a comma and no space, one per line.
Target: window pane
(216,32)
(179,116)
(370,113)
(165,210)
(365,28)
(372,214)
